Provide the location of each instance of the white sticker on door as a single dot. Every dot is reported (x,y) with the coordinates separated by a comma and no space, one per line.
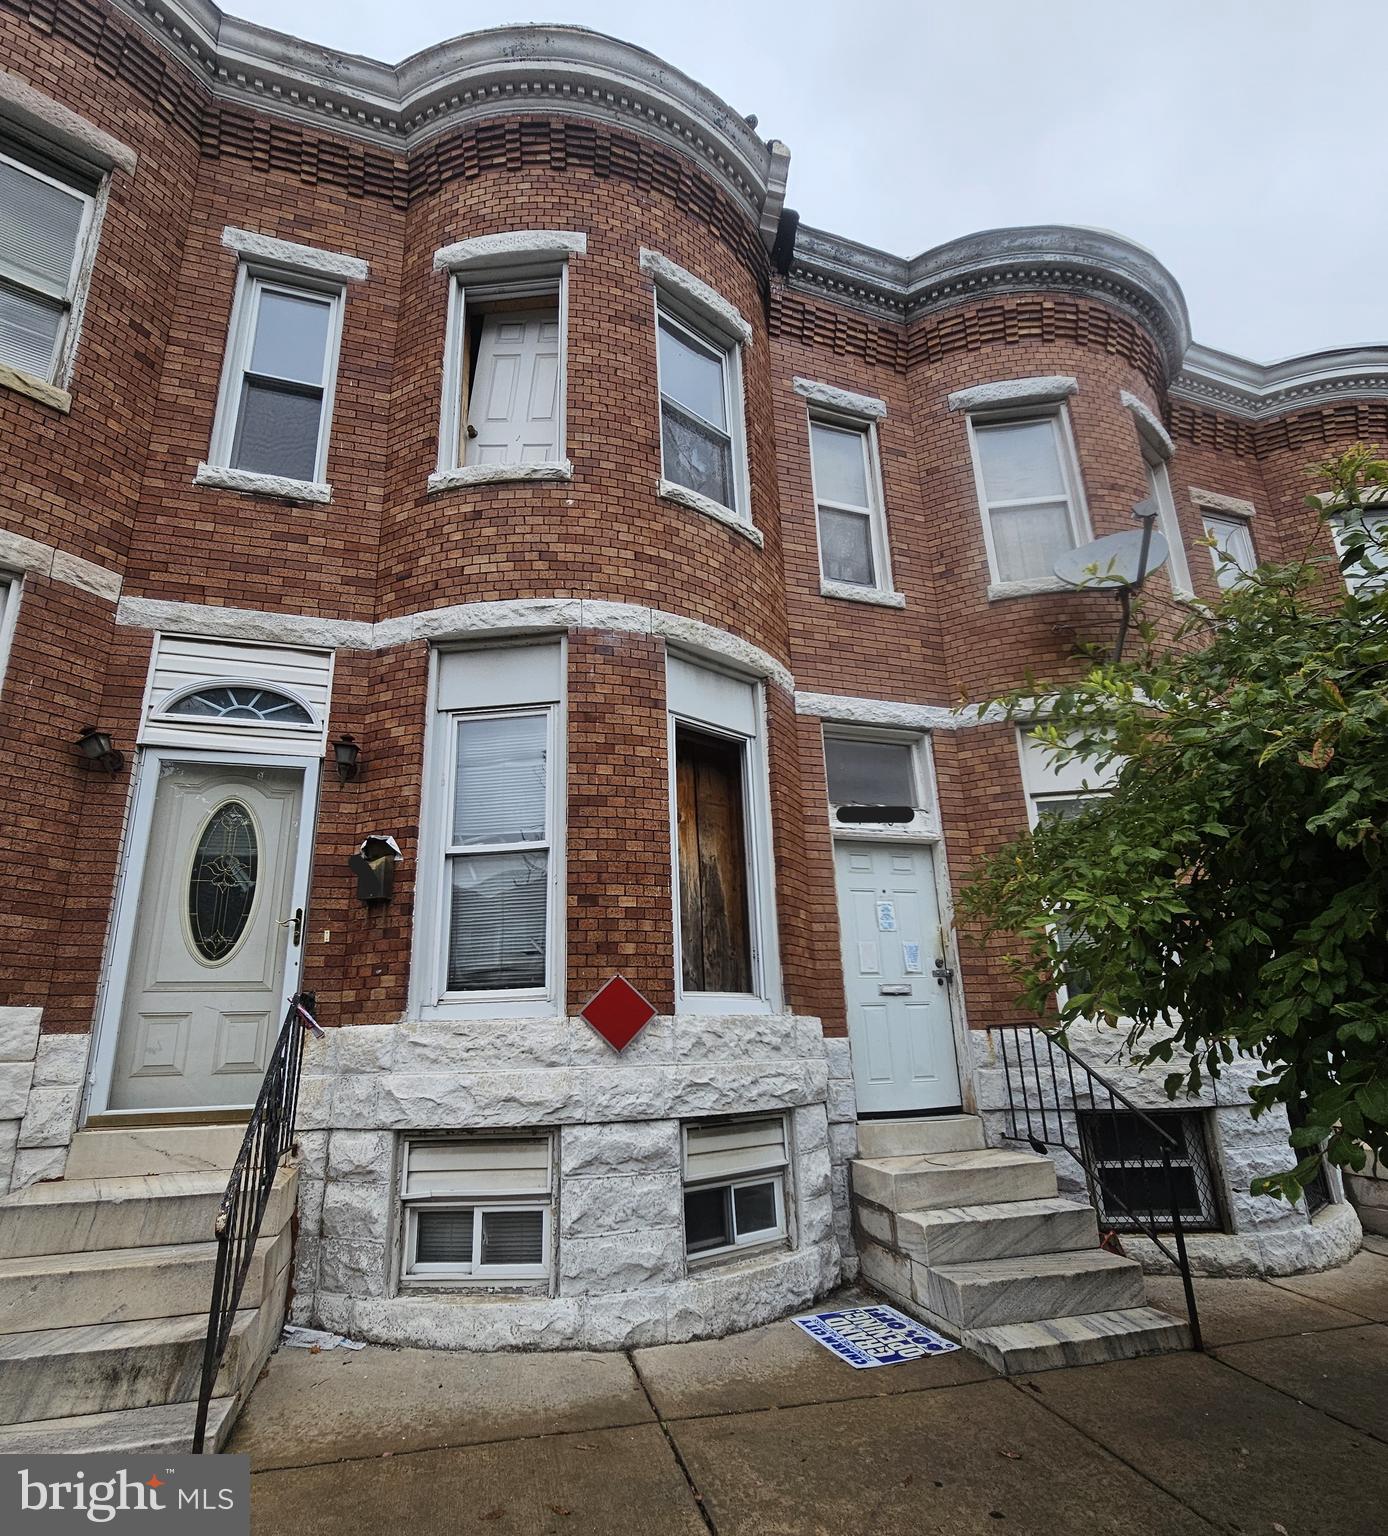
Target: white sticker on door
(886,917)
(867,957)
(911,959)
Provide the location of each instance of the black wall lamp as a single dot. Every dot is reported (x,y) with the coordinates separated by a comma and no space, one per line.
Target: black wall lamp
(95,746)
(347,756)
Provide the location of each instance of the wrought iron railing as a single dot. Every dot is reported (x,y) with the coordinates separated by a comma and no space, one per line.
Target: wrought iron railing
(268,1141)
(1056,1099)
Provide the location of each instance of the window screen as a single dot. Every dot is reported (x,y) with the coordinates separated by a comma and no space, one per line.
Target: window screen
(279,419)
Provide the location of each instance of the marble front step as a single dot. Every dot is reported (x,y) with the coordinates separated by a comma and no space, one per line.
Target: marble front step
(1027,1289)
(935,1179)
(108,1366)
(123,1284)
(129,1432)
(129,1152)
(934,1133)
(1016,1349)
(77,1215)
(964,1234)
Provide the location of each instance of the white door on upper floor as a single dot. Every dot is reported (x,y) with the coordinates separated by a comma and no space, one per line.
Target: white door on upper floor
(899,1023)
(513,410)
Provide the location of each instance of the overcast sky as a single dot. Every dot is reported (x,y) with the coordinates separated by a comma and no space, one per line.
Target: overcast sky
(1234,138)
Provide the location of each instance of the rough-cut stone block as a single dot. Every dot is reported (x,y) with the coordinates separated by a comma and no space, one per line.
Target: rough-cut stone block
(588,1265)
(814,1172)
(640,1146)
(15,1078)
(61,1060)
(811,1128)
(34,1164)
(313,1152)
(437,1101)
(736,1037)
(9,1139)
(842,1101)
(315,1107)
(463,1045)
(815,1219)
(843,1142)
(49,1118)
(591,1207)
(362,1156)
(614,1092)
(365,1047)
(352,1267)
(355,1103)
(655,1045)
(356,1212)
(19,1033)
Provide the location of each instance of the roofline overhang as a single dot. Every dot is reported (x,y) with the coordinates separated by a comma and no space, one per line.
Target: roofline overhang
(536,68)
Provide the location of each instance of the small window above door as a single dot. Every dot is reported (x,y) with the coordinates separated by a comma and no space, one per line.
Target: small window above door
(242,701)
(876,783)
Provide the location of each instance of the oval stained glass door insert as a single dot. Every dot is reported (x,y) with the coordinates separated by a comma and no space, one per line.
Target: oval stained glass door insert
(221,884)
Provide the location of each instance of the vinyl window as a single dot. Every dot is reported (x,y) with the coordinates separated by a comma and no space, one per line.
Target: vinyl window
(9,610)
(1369,573)
(1232,550)
(47,219)
(1029,492)
(275,411)
(1178,567)
(734,1185)
(477,1207)
(701,427)
(848,506)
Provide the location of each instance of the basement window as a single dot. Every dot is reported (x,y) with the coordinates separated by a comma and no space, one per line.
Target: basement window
(734,1185)
(1126,1155)
(477,1208)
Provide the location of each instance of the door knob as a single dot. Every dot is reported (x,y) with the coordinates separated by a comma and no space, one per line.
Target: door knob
(942,973)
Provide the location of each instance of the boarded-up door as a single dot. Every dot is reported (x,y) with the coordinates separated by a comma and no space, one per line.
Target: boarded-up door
(714,939)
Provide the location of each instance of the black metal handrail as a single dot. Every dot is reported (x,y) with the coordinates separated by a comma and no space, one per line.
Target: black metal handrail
(1045,1126)
(268,1141)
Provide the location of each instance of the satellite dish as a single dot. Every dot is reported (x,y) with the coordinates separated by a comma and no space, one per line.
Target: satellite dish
(1112,563)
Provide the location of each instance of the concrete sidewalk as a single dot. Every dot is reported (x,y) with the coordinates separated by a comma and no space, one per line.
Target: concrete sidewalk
(1280,1428)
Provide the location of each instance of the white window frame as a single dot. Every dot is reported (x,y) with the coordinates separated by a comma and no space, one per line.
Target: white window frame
(1232,520)
(90,186)
(707,337)
(756,825)
(11,585)
(429,997)
(1373,515)
(1077,508)
(1178,567)
(414,1274)
(924,827)
(774,1174)
(875,512)
(253,280)
(452,470)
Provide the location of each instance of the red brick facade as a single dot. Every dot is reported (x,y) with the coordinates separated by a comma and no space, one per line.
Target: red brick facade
(112,482)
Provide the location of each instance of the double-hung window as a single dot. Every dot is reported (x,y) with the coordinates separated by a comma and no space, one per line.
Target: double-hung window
(848,504)
(490,919)
(1029,492)
(275,411)
(47,215)
(734,1184)
(476,1208)
(505,358)
(1367,538)
(720,811)
(1232,550)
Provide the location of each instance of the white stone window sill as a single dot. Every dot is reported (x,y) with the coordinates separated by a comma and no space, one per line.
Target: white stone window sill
(36,388)
(669,491)
(997,590)
(855,594)
(247,481)
(499,474)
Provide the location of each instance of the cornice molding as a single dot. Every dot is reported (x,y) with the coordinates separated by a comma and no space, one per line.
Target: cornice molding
(504,70)
(1259,391)
(1047,257)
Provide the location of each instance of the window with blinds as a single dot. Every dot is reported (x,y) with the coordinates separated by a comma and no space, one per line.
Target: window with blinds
(477,1206)
(734,1184)
(45,218)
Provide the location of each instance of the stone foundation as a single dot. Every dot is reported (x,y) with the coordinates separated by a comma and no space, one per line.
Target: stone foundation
(40,1084)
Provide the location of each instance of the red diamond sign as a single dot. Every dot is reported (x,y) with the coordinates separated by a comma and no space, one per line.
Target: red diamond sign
(618,1012)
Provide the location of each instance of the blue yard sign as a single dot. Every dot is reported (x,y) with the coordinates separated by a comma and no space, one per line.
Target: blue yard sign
(868,1336)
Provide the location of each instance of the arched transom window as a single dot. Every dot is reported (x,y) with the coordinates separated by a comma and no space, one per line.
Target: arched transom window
(242,701)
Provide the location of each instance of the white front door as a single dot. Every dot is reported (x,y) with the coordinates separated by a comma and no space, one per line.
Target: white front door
(899,1021)
(207,942)
(513,412)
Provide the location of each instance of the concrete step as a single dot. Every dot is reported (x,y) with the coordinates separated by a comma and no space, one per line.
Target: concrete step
(105,1367)
(965,1234)
(934,1133)
(935,1179)
(121,1285)
(1016,1349)
(1025,1290)
(130,1432)
(132,1151)
(79,1215)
